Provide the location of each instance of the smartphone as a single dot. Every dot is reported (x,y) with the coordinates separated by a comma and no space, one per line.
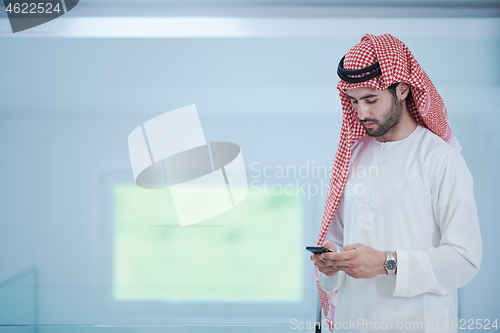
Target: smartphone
(317,249)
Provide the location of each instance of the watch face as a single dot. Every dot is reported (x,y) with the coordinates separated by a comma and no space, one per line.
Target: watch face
(390,265)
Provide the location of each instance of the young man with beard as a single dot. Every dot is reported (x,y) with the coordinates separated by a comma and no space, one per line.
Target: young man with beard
(404,234)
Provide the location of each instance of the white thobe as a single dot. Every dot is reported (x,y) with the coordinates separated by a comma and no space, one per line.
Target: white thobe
(415,197)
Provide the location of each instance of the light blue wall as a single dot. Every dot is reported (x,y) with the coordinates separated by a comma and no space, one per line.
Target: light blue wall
(68,105)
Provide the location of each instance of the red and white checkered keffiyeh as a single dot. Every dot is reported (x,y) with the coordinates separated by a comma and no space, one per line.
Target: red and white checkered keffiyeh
(397,64)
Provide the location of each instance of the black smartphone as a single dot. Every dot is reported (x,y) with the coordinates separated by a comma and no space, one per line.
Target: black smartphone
(317,249)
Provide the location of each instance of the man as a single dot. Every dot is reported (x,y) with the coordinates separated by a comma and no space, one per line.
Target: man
(400,216)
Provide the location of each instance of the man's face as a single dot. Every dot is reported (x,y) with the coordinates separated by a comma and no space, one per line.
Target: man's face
(378,111)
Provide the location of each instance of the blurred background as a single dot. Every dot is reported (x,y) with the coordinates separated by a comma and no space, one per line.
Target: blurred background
(81,245)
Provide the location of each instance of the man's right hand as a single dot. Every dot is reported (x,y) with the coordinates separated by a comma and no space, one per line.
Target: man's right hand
(325,266)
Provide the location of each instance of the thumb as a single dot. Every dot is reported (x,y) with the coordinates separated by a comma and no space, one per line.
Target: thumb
(351,247)
(330,246)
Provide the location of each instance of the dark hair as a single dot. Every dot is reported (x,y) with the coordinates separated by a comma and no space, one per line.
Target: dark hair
(392,90)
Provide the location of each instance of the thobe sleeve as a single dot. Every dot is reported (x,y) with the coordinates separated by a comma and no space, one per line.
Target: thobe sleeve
(440,270)
(335,234)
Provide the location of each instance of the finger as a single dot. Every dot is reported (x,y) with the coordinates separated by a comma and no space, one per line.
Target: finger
(330,246)
(352,247)
(333,263)
(337,264)
(315,257)
(322,263)
(336,255)
(319,263)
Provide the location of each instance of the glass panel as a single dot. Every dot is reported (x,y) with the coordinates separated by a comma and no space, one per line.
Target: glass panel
(232,257)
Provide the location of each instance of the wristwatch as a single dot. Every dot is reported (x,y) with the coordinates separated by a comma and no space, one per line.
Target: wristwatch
(390,263)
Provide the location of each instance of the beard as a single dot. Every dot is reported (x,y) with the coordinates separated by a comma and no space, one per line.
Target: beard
(391,119)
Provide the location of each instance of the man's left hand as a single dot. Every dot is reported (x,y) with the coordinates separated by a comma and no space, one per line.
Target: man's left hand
(358,261)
